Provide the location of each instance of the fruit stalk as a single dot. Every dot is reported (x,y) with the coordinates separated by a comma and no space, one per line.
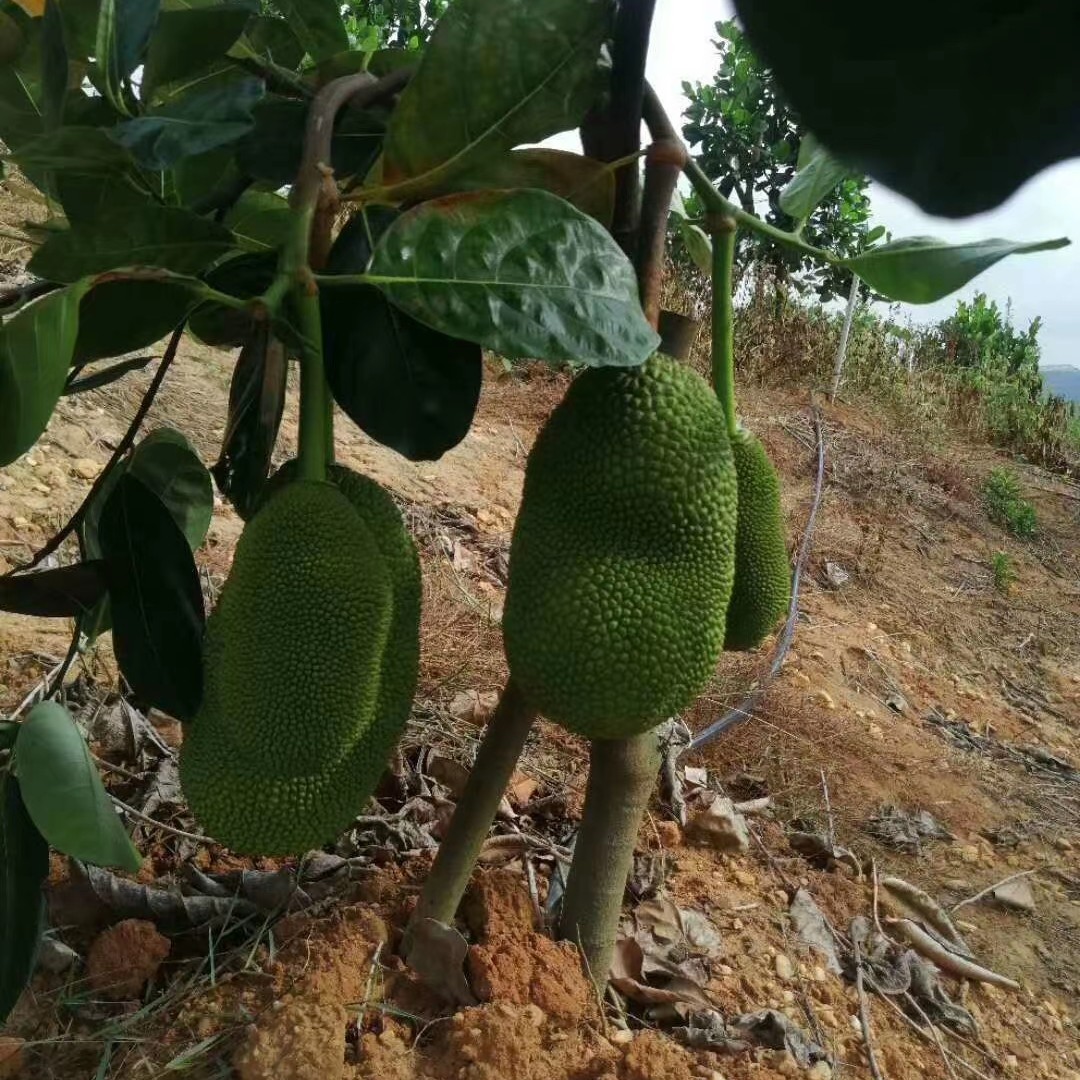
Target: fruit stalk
(500,749)
(622,774)
(722,229)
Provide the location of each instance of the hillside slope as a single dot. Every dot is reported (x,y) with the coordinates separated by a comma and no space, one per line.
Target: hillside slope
(915,691)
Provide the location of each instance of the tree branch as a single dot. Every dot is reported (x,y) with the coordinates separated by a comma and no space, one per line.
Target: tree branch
(663,164)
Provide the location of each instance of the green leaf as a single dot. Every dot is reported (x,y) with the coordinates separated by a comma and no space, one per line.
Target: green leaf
(925,104)
(119,317)
(24,866)
(75,151)
(20,111)
(157,605)
(63,592)
(244,276)
(63,792)
(80,27)
(94,380)
(922,269)
(36,347)
(407,386)
(698,244)
(188,39)
(520,272)
(191,123)
(168,465)
(164,236)
(587,184)
(260,220)
(256,404)
(8,730)
(270,39)
(532,71)
(11,39)
(123,34)
(317,25)
(54,65)
(819,172)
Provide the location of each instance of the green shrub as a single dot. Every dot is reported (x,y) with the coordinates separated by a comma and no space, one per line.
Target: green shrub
(1006,506)
(1004,572)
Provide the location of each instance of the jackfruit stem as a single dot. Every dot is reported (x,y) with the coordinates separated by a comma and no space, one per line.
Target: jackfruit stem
(503,741)
(622,775)
(314,391)
(722,229)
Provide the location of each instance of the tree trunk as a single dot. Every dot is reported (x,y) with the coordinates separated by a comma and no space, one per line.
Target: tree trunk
(841,352)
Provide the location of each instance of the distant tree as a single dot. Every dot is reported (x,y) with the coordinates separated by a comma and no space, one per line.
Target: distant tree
(392,24)
(747,139)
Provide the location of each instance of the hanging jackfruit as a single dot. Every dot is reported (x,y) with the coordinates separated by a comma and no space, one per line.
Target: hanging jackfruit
(311,661)
(762,569)
(623,553)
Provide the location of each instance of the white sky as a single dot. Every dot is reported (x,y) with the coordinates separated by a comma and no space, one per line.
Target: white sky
(1043,284)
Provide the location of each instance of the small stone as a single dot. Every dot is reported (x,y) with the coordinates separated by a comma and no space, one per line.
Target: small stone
(1062,844)
(820,1070)
(825,698)
(622,1036)
(124,958)
(56,957)
(744,877)
(669,834)
(1011,1062)
(875,731)
(721,827)
(11,1057)
(1016,894)
(968,853)
(85,468)
(785,971)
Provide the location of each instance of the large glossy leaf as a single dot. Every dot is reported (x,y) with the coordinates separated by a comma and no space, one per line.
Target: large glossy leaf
(921,269)
(209,181)
(587,184)
(521,272)
(54,65)
(169,466)
(272,39)
(407,386)
(271,150)
(123,34)
(36,348)
(317,25)
(64,592)
(244,276)
(191,123)
(165,236)
(87,198)
(260,220)
(11,39)
(924,101)
(818,173)
(76,151)
(188,39)
(157,605)
(24,866)
(119,317)
(256,403)
(531,68)
(21,94)
(63,792)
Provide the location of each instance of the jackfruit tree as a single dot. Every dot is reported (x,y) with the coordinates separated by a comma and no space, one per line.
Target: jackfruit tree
(421,225)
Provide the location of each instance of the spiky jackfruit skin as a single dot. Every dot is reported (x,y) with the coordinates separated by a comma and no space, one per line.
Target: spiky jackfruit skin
(352,554)
(762,568)
(623,553)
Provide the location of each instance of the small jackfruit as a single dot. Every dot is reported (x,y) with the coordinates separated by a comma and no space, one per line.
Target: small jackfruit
(623,552)
(311,662)
(762,569)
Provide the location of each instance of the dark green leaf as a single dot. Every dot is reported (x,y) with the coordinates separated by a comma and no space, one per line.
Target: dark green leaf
(123,33)
(587,184)
(36,348)
(63,792)
(271,39)
(271,151)
(207,182)
(54,65)
(260,220)
(188,39)
(119,317)
(94,380)
(80,27)
(11,39)
(921,269)
(20,110)
(344,63)
(407,386)
(78,151)
(245,276)
(386,61)
(519,272)
(157,605)
(24,866)
(164,236)
(256,403)
(698,244)
(819,172)
(532,71)
(8,730)
(924,102)
(317,25)
(192,123)
(168,465)
(64,592)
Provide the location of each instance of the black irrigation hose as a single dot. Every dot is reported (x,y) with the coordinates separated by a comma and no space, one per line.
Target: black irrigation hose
(743,711)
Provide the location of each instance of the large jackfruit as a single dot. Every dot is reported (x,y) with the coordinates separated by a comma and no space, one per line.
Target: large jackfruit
(623,553)
(311,661)
(762,568)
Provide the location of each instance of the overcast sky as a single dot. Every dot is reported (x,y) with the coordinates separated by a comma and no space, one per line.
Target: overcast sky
(1045,284)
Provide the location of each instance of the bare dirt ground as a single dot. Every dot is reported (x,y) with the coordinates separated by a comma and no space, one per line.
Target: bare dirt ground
(916,687)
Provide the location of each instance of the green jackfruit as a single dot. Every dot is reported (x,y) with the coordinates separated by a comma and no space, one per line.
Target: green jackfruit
(311,662)
(623,554)
(762,568)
